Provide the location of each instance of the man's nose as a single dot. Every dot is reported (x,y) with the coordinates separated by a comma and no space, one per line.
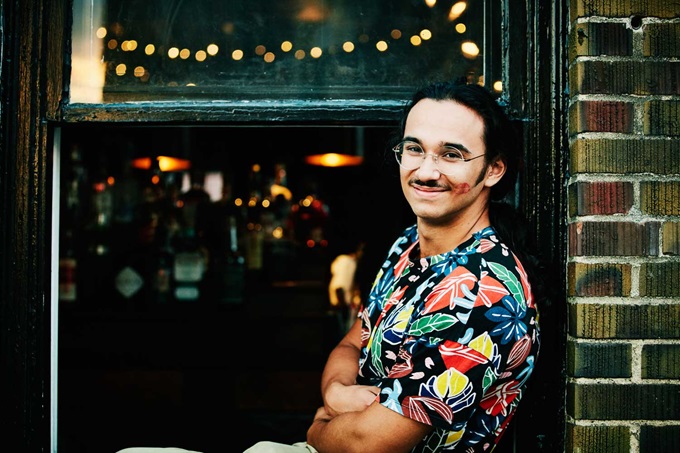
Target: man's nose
(428,167)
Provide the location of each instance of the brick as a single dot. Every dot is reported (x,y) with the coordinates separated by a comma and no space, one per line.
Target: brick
(670,238)
(600,38)
(646,8)
(624,401)
(661,40)
(625,156)
(592,360)
(600,279)
(660,439)
(660,197)
(598,439)
(614,239)
(660,279)
(662,117)
(601,116)
(600,198)
(625,77)
(619,321)
(661,361)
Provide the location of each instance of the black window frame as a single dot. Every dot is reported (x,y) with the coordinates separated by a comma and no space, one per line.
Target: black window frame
(35,45)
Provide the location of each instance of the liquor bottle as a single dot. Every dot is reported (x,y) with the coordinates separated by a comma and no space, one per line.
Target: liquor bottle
(141,239)
(68,269)
(161,270)
(234,278)
(71,218)
(224,279)
(95,271)
(188,267)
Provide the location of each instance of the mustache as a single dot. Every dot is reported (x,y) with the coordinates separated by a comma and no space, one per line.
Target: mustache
(433,184)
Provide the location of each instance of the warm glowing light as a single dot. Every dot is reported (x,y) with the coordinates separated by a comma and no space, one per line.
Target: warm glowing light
(286,46)
(310,243)
(139,71)
(430,3)
(469,49)
(201,55)
(315,52)
(266,203)
(173,52)
(334,160)
(260,50)
(212,49)
(381,46)
(415,40)
(111,180)
(155,179)
(312,12)
(456,10)
(278,232)
(256,168)
(237,54)
(277,189)
(228,28)
(461,28)
(184,54)
(348,46)
(101,32)
(238,202)
(112,44)
(165,163)
(300,54)
(149,49)
(132,45)
(395,34)
(252,202)
(121,69)
(425,34)
(498,86)
(269,57)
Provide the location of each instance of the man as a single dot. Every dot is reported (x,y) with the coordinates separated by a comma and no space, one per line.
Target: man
(443,349)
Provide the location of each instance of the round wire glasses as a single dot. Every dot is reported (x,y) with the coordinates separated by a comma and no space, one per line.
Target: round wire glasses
(411,155)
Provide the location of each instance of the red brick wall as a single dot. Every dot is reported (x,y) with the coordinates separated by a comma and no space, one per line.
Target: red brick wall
(623,356)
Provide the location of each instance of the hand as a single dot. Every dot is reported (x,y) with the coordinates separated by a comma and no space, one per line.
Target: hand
(322,415)
(348,398)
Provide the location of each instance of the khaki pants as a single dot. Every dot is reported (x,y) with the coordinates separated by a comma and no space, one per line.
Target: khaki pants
(155,450)
(274,447)
(260,447)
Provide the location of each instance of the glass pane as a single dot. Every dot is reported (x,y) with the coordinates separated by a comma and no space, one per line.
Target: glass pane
(291,49)
(170,278)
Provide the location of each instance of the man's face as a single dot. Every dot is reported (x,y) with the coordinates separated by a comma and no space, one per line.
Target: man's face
(436,198)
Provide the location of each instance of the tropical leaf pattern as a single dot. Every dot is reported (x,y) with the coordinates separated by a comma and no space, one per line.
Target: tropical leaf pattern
(451,339)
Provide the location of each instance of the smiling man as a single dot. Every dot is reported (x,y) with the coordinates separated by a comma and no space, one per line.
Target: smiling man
(442,351)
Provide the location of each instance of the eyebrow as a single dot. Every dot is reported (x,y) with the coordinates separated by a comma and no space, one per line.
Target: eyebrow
(441,144)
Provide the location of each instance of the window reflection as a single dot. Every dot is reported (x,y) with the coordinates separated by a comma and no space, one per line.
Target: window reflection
(125,50)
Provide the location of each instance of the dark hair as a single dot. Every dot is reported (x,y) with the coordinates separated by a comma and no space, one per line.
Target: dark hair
(502,141)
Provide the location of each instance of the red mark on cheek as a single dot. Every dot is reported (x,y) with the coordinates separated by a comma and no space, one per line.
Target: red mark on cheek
(460,189)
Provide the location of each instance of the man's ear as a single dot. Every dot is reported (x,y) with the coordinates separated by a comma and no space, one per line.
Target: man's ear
(494,172)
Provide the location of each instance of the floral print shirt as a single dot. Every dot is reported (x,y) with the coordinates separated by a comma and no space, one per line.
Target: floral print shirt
(451,339)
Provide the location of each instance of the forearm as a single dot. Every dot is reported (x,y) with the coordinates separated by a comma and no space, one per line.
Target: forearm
(329,435)
(376,429)
(343,362)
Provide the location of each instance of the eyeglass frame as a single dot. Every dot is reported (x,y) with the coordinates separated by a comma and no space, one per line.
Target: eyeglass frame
(398,150)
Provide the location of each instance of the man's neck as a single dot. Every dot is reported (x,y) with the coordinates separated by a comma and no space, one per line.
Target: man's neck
(435,238)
